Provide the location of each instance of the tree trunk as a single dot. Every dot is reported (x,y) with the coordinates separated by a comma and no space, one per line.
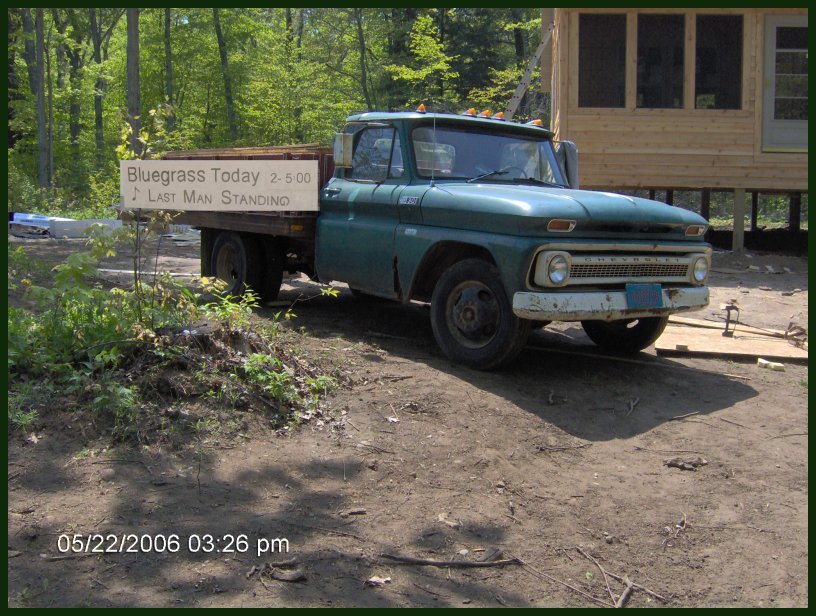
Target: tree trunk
(222,52)
(76,62)
(441,25)
(168,71)
(358,18)
(99,39)
(13,78)
(29,51)
(294,38)
(397,46)
(50,136)
(74,77)
(61,25)
(133,84)
(99,127)
(519,40)
(42,134)
(205,129)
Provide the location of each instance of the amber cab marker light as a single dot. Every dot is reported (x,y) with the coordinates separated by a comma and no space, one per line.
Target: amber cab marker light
(470,112)
(486,113)
(560,225)
(536,123)
(499,116)
(421,108)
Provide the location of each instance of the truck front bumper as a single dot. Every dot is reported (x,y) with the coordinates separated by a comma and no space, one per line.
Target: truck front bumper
(602,305)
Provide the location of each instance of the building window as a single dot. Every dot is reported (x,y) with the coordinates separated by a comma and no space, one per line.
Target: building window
(785,84)
(660,61)
(791,79)
(718,71)
(602,61)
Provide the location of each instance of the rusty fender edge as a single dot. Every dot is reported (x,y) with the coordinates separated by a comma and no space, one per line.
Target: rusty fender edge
(602,305)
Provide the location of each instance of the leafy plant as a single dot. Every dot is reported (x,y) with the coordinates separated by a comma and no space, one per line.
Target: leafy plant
(229,310)
(269,374)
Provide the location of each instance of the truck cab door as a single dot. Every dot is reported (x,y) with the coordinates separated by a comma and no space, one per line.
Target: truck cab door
(360,213)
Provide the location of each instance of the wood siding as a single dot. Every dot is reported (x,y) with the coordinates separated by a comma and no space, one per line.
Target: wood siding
(684,148)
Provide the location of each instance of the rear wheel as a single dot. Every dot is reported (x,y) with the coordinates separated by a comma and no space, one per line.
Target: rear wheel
(626,335)
(274,261)
(472,319)
(235,260)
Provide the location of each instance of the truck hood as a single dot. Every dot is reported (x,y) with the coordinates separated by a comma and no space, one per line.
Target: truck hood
(526,210)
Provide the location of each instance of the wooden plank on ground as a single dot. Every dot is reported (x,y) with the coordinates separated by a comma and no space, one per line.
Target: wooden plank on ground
(681,340)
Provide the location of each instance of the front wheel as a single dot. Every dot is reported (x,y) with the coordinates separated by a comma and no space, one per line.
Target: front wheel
(626,336)
(472,319)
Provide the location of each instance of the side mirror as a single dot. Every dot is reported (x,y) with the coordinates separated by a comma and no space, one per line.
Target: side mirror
(567,156)
(343,149)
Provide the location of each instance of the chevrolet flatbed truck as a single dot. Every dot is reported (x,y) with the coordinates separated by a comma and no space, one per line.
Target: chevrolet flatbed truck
(478,216)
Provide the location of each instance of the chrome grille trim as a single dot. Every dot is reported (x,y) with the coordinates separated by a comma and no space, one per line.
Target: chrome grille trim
(609,269)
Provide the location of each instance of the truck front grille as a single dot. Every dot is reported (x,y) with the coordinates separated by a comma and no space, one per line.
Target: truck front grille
(604,269)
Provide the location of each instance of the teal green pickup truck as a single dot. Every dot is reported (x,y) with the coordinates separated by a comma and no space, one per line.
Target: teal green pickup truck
(482,219)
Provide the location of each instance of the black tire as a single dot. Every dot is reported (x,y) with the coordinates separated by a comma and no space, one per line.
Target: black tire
(627,336)
(472,319)
(236,261)
(534,325)
(275,261)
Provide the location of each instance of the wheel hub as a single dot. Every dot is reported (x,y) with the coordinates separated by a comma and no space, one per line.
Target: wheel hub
(475,314)
(226,265)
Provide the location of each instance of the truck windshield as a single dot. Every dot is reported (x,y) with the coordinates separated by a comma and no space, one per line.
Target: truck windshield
(489,156)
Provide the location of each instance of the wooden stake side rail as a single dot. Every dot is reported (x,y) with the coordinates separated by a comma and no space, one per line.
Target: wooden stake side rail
(287,224)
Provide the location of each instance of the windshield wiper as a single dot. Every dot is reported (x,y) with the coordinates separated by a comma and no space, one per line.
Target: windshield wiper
(540,182)
(489,173)
(506,170)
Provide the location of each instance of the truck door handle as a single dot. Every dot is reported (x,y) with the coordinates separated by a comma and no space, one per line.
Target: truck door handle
(332,191)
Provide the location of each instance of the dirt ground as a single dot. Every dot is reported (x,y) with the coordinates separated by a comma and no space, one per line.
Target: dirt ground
(557,461)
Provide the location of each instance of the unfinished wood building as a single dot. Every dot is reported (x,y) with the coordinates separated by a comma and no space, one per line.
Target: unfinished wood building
(684,99)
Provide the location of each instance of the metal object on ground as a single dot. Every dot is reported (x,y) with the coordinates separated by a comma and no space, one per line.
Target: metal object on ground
(729,308)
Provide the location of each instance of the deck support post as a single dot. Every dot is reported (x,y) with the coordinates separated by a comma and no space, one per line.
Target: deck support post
(795,212)
(754,209)
(705,203)
(738,237)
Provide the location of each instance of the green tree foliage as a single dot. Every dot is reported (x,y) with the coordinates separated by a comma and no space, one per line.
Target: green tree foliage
(429,76)
(295,74)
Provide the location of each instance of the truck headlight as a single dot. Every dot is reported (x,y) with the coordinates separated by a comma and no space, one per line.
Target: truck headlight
(552,269)
(700,270)
(558,270)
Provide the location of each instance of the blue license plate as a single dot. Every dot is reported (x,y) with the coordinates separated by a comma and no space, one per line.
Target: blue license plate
(644,296)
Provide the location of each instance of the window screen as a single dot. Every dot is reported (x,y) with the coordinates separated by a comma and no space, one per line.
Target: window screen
(718,71)
(602,61)
(660,61)
(791,80)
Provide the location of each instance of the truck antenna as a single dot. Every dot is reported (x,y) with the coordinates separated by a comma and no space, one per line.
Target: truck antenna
(433,152)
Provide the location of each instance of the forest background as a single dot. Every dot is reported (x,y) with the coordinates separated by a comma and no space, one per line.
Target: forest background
(88,87)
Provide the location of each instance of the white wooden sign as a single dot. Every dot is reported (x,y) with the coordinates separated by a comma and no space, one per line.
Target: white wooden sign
(219,185)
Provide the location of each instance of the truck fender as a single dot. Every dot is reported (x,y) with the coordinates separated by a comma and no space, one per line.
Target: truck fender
(436,260)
